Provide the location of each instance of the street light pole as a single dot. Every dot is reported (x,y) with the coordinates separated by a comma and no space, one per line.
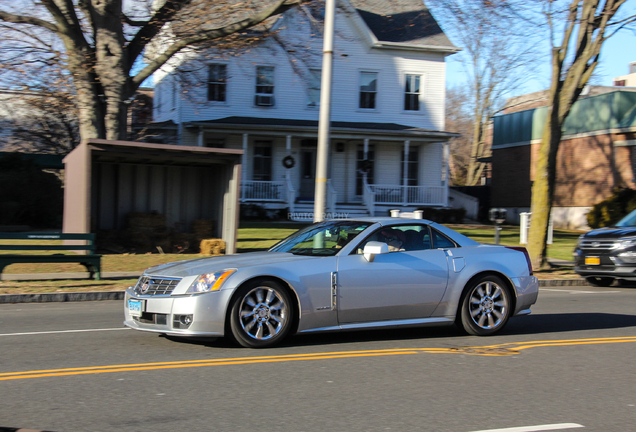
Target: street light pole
(325,111)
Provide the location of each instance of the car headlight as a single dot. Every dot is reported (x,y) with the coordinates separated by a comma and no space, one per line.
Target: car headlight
(628,257)
(625,243)
(209,281)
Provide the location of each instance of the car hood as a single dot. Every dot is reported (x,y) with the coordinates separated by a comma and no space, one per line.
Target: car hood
(611,232)
(212,264)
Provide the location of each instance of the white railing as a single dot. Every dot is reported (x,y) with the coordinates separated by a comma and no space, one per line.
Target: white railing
(291,193)
(253,190)
(409,195)
(332,197)
(368,196)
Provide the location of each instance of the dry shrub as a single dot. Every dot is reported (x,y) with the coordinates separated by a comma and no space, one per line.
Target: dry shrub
(212,246)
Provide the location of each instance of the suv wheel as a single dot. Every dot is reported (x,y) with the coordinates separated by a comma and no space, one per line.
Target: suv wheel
(599,281)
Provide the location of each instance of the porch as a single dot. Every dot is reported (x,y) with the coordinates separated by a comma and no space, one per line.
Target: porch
(374,197)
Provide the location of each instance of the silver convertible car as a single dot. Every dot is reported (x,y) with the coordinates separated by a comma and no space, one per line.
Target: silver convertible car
(338,275)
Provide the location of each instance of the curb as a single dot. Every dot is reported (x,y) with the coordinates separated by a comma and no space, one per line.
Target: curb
(119,295)
(62,297)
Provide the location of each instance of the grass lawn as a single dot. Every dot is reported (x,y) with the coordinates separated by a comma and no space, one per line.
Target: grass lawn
(252,236)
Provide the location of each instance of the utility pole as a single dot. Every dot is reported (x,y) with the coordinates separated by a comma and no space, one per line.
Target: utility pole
(325,113)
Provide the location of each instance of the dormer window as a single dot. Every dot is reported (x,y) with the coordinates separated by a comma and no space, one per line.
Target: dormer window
(264,86)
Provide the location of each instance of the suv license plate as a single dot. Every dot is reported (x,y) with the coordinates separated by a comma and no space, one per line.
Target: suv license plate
(592,261)
(135,307)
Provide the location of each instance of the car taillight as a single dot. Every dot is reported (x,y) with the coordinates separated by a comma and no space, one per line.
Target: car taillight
(525,252)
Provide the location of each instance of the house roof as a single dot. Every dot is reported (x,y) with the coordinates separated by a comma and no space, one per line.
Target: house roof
(340,127)
(402,22)
(613,111)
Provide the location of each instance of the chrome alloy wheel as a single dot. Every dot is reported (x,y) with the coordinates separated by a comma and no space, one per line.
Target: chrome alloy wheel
(262,313)
(488,305)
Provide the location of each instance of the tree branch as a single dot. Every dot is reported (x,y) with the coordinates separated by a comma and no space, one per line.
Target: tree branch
(127,20)
(152,29)
(209,35)
(23,19)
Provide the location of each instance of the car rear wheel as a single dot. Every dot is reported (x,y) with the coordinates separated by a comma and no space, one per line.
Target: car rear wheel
(485,307)
(261,314)
(599,281)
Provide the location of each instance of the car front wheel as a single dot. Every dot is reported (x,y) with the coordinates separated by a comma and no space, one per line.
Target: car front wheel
(261,314)
(485,307)
(600,281)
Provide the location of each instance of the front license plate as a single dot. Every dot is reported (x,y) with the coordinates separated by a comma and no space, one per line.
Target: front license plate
(135,307)
(592,261)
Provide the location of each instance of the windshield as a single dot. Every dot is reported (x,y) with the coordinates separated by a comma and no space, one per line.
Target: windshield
(627,221)
(322,239)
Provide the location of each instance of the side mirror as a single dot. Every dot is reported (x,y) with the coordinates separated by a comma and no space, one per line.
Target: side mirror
(374,248)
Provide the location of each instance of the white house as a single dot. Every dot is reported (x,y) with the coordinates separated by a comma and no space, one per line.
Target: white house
(387,145)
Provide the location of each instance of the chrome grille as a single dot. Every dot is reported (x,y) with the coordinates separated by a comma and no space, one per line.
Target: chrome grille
(152,286)
(598,246)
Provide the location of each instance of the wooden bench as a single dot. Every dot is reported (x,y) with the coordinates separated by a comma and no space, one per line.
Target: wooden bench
(91,261)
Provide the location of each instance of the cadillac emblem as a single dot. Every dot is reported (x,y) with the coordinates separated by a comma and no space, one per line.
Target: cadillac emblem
(145,286)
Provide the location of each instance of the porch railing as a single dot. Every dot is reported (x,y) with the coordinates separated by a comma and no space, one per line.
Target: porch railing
(368,196)
(409,195)
(253,190)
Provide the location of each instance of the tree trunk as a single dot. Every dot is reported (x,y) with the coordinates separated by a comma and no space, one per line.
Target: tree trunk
(543,188)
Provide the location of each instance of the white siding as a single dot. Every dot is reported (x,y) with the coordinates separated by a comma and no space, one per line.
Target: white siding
(431,164)
(352,55)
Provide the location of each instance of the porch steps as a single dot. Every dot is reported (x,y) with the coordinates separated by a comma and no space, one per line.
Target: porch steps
(304,211)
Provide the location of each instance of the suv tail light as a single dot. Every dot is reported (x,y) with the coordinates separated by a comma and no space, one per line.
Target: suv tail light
(525,252)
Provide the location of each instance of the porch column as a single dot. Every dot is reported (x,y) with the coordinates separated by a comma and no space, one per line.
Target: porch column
(244,166)
(366,148)
(445,171)
(200,141)
(405,175)
(291,192)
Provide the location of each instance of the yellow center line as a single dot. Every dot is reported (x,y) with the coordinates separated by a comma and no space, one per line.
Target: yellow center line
(506,349)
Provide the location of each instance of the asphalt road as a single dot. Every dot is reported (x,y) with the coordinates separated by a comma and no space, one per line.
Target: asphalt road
(569,365)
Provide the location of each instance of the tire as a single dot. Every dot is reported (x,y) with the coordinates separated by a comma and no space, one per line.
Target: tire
(600,281)
(485,306)
(261,314)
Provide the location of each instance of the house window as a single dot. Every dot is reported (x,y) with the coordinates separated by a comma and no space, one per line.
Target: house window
(217,82)
(157,100)
(361,164)
(412,93)
(412,168)
(174,94)
(368,89)
(264,86)
(313,92)
(262,170)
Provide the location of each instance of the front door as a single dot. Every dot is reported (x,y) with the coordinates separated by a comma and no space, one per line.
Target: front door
(307,173)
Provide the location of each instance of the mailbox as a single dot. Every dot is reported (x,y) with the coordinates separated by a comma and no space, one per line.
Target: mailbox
(498,215)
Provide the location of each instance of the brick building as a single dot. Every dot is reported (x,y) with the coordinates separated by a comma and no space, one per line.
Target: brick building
(596,153)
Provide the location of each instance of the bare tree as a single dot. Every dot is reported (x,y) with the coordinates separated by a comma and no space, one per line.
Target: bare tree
(577,33)
(41,117)
(459,120)
(99,42)
(496,57)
